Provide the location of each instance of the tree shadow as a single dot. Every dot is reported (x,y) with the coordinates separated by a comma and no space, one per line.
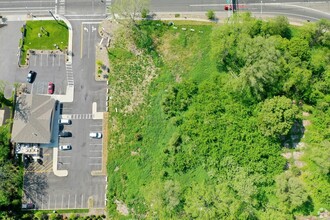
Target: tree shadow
(292,140)
(35,186)
(22,110)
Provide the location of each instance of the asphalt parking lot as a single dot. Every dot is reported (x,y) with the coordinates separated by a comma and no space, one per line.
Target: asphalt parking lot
(79,189)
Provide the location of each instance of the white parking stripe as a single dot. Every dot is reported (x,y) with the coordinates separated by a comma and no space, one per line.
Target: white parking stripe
(69,202)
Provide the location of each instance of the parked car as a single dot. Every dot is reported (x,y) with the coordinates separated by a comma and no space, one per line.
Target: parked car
(65,147)
(65,134)
(31,76)
(64,121)
(95,135)
(51,88)
(28,206)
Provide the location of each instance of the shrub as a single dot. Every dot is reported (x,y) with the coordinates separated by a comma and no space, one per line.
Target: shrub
(210,15)
(177,15)
(144,13)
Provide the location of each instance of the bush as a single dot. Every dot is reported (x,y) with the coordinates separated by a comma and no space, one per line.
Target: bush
(144,13)
(210,15)
(177,15)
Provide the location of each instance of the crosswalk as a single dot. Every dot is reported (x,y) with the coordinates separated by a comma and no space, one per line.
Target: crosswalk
(69,74)
(79,116)
(61,7)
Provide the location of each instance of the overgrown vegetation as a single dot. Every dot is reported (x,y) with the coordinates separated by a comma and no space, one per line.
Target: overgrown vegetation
(205,139)
(10,171)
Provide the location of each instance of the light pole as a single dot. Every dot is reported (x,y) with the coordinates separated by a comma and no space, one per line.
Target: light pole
(51,13)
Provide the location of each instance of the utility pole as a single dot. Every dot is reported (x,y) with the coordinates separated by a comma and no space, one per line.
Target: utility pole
(51,13)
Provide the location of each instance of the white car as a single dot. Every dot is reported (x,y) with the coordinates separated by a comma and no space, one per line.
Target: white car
(95,135)
(65,147)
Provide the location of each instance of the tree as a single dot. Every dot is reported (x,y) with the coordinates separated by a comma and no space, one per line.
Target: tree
(277,116)
(290,191)
(128,9)
(260,59)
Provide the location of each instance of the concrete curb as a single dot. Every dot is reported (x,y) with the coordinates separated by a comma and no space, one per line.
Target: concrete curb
(60,173)
(67,22)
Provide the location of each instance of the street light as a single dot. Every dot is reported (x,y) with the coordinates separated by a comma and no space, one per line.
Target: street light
(51,13)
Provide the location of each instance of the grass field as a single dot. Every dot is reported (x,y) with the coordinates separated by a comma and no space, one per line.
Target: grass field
(50,32)
(139,137)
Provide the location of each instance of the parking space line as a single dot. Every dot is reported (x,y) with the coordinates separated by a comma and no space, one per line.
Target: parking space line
(96,164)
(66,163)
(95,157)
(48,201)
(96,151)
(59,60)
(53,59)
(35,61)
(40,59)
(82,200)
(97,125)
(55,201)
(75,201)
(69,202)
(62,202)
(47,59)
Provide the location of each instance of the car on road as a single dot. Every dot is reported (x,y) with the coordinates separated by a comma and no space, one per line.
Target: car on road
(65,134)
(64,121)
(230,7)
(65,147)
(31,76)
(95,135)
(51,88)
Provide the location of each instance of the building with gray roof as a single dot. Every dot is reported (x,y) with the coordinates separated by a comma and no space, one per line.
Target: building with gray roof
(33,119)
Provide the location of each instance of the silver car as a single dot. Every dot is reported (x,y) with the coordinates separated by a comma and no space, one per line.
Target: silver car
(65,147)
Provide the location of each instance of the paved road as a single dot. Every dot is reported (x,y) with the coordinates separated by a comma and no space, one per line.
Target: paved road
(96,9)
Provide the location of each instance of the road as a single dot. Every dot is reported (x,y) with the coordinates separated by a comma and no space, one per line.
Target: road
(96,9)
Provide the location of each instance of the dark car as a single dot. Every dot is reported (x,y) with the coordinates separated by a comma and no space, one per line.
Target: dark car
(65,134)
(28,206)
(31,76)
(51,87)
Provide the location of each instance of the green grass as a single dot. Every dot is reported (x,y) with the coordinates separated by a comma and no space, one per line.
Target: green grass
(52,32)
(139,177)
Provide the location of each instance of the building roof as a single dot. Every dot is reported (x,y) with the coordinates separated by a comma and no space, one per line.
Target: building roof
(33,119)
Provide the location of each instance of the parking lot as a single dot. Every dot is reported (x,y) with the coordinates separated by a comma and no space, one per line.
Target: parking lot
(79,189)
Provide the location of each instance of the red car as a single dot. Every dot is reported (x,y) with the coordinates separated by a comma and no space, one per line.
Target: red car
(51,88)
(230,7)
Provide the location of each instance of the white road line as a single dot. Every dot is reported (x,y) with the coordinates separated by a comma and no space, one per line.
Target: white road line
(40,59)
(53,59)
(55,201)
(100,125)
(75,201)
(82,200)
(35,61)
(95,144)
(95,164)
(66,163)
(95,157)
(62,202)
(59,60)
(47,59)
